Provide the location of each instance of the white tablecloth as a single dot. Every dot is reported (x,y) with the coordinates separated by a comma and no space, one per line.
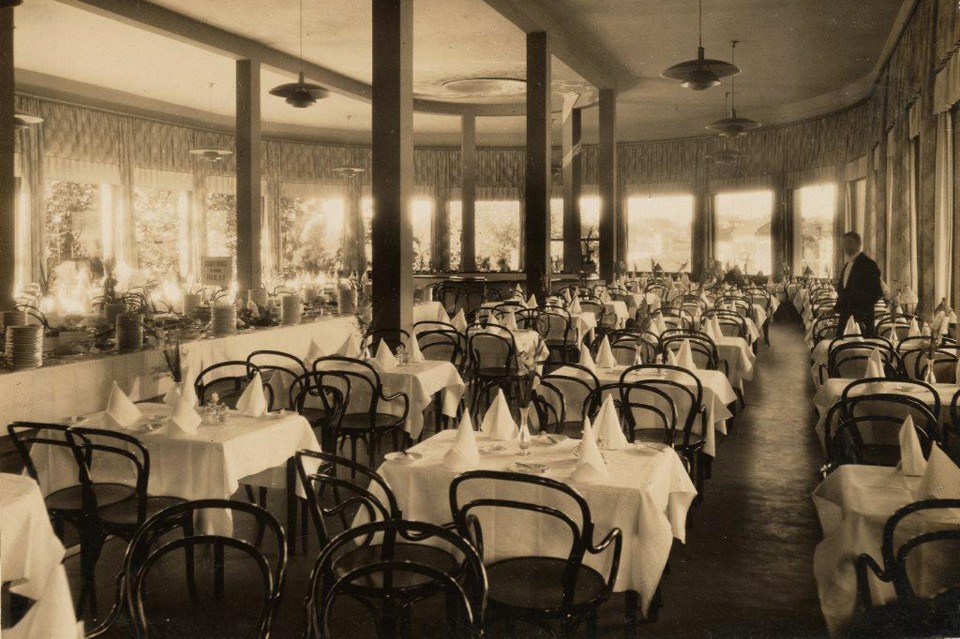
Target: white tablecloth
(740,358)
(853,504)
(647,496)
(717,394)
(421,382)
(210,464)
(430,311)
(820,355)
(31,562)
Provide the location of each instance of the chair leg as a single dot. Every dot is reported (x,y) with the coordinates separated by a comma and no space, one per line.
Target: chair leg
(592,630)
(249,491)
(190,560)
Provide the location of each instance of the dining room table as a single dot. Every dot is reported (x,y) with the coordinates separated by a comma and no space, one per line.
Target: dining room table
(211,463)
(646,494)
(31,564)
(740,358)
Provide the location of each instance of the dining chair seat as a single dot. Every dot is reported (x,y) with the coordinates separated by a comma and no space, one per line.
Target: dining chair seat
(125,513)
(71,498)
(362,421)
(420,554)
(536,584)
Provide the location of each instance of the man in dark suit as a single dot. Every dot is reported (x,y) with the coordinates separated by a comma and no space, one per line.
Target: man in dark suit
(859,286)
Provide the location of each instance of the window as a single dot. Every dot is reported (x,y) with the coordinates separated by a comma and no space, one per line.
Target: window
(743,230)
(221,225)
(455,212)
(813,235)
(72,222)
(660,229)
(422,210)
(498,235)
(589,229)
(556,233)
(310,233)
(159,217)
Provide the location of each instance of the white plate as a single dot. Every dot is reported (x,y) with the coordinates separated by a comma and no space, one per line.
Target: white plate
(531,467)
(149,426)
(403,458)
(548,440)
(492,449)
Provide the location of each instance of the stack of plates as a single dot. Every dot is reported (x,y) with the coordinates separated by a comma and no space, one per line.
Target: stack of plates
(25,346)
(11,318)
(191,302)
(129,333)
(290,310)
(348,300)
(224,320)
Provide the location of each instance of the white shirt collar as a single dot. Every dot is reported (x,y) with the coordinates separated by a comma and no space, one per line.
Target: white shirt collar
(853,257)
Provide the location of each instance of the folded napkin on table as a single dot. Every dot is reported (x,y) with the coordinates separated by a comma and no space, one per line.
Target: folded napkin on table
(252,306)
(532,301)
(852,329)
(510,321)
(313,353)
(463,453)
(607,425)
(459,321)
(350,347)
(586,359)
(253,401)
(661,324)
(912,462)
(492,319)
(172,396)
(685,356)
(717,330)
(121,412)
(566,295)
(914,330)
(498,423)
(413,347)
(941,479)
(708,330)
(590,465)
(184,418)
(672,358)
(605,358)
(385,358)
(575,307)
(874,365)
(654,328)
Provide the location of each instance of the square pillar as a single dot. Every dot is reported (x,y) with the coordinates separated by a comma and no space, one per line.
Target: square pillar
(249,202)
(8,183)
(536,222)
(468,193)
(572,183)
(607,179)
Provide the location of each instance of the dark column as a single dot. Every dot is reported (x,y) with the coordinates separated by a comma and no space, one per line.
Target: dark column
(392,173)
(468,193)
(8,199)
(572,181)
(537,192)
(249,210)
(607,179)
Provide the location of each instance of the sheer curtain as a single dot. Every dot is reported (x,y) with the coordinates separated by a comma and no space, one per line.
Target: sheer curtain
(944,214)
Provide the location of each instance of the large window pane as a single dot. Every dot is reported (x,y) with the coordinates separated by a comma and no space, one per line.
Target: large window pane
(72,224)
(310,233)
(660,229)
(743,230)
(590,226)
(813,245)
(159,217)
(556,233)
(221,225)
(455,208)
(498,235)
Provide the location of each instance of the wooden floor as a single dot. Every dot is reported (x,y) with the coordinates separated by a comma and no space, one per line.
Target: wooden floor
(747,567)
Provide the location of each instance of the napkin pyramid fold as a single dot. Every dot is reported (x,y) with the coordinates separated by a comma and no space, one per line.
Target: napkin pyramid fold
(121,412)
(350,347)
(605,358)
(497,422)
(510,321)
(463,453)
(532,301)
(459,321)
(914,330)
(874,365)
(575,306)
(187,389)
(253,401)
(586,359)
(912,462)
(172,396)
(184,417)
(385,358)
(941,479)
(685,356)
(314,352)
(590,466)
(852,329)
(607,425)
(413,347)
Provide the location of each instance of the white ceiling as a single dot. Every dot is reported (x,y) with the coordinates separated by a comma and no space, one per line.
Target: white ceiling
(799,58)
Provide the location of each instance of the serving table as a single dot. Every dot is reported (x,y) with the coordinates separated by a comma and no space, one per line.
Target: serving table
(646,495)
(31,563)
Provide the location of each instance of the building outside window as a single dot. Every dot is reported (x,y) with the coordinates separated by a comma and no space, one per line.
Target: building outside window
(813,245)
(743,230)
(660,229)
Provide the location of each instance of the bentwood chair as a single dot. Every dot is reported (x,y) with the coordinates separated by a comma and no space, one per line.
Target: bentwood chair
(278,370)
(911,614)
(848,359)
(556,327)
(826,326)
(229,379)
(446,346)
(394,337)
(242,606)
(560,396)
(954,429)
(388,588)
(365,416)
(537,589)
(495,364)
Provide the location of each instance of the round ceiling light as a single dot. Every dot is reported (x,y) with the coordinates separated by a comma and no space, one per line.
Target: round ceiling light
(211,155)
(486,87)
(23,121)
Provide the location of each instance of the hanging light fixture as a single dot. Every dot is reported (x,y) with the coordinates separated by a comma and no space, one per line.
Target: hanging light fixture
(349,170)
(300,94)
(702,73)
(726,156)
(211,155)
(733,126)
(23,121)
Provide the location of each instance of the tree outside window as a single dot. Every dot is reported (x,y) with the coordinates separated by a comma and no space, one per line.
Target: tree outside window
(310,234)
(157,215)
(221,224)
(71,222)
(498,235)
(815,206)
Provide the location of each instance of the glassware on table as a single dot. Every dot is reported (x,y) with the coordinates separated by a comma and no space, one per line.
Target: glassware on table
(524,431)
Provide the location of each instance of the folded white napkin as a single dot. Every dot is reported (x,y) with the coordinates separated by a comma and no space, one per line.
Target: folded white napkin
(253,401)
(852,329)
(498,423)
(912,462)
(607,425)
(172,396)
(121,412)
(463,453)
(575,306)
(350,347)
(590,466)
(510,321)
(685,356)
(566,295)
(385,358)
(717,330)
(672,358)
(914,330)
(492,319)
(605,358)
(941,479)
(661,324)
(708,330)
(654,328)
(184,418)
(459,321)
(874,365)
(413,347)
(586,359)
(313,353)
(532,301)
